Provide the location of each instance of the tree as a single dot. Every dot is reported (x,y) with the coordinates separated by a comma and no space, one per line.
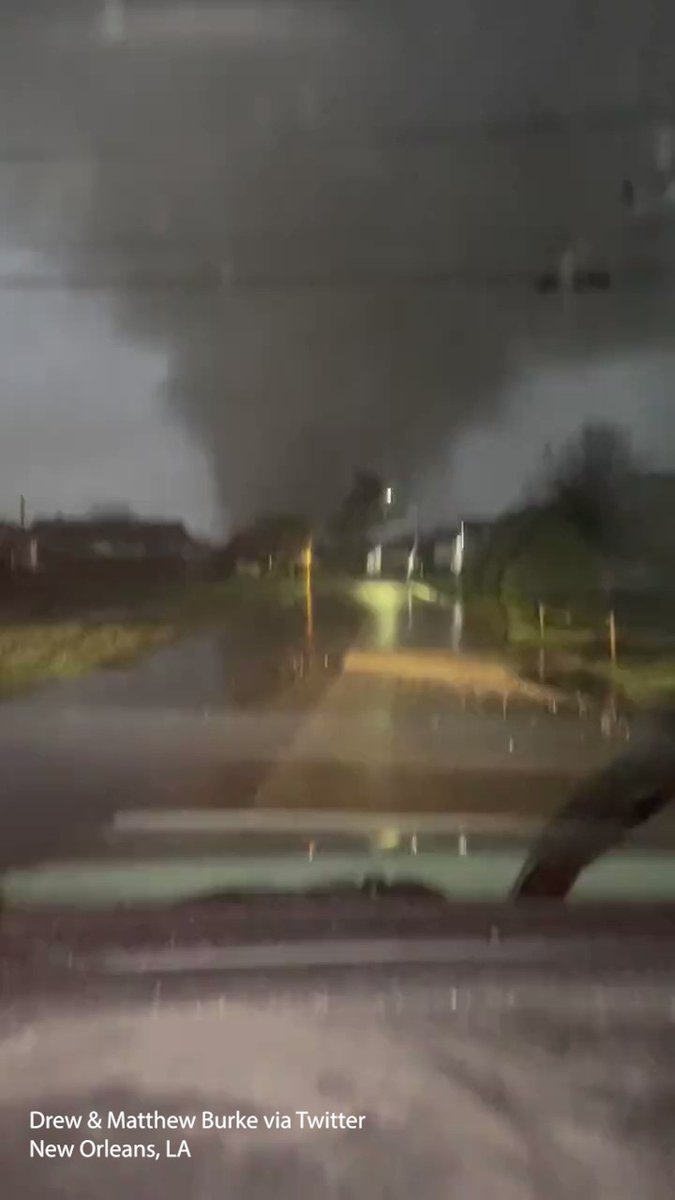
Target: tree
(279,536)
(362,507)
(556,563)
(112,512)
(589,482)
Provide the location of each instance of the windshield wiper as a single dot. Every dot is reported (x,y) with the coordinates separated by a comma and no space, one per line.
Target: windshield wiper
(616,800)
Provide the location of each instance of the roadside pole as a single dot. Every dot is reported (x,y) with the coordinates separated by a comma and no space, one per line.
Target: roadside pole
(412,557)
(612,636)
(307,558)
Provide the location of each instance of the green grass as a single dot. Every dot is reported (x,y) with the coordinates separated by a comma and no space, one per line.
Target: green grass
(209,603)
(35,652)
(32,652)
(640,682)
(582,644)
(483,610)
(583,651)
(523,630)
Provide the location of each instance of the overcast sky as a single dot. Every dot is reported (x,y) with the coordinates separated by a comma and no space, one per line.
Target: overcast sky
(488,468)
(84,419)
(246,249)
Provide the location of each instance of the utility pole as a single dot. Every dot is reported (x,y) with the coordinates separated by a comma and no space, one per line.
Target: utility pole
(307,562)
(22,512)
(412,557)
(612,636)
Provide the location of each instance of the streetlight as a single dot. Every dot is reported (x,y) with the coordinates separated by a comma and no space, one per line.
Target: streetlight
(389,495)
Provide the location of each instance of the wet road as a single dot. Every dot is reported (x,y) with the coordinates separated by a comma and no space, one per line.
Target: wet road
(251,716)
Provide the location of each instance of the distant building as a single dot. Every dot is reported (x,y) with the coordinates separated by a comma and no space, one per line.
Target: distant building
(125,539)
(397,557)
(442,549)
(374,561)
(18,549)
(456,548)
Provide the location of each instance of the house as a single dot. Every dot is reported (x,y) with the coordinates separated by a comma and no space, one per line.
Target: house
(242,555)
(456,548)
(18,549)
(396,558)
(121,539)
(439,550)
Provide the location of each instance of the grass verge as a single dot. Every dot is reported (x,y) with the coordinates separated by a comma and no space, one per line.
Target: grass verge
(203,603)
(35,652)
(638,682)
(582,652)
(524,630)
(576,647)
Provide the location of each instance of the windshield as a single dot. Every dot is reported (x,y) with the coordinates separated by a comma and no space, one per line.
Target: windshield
(337,442)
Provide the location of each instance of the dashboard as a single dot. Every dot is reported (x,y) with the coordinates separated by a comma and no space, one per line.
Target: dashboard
(530,1053)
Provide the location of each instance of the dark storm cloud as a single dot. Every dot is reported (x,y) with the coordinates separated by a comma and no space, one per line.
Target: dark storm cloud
(328,215)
